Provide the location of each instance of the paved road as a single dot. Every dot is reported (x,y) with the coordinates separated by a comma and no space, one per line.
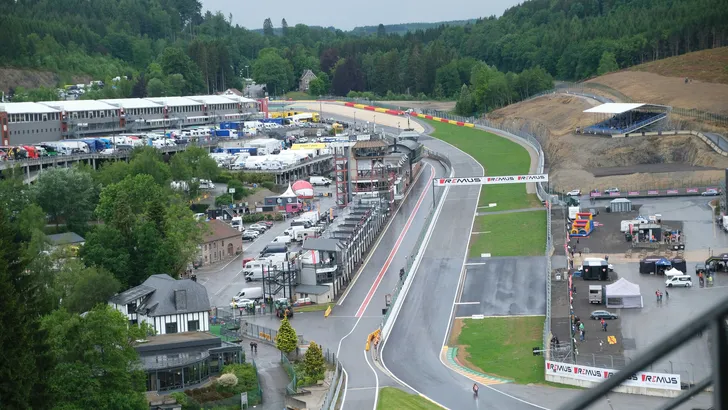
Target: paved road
(503,287)
(366,299)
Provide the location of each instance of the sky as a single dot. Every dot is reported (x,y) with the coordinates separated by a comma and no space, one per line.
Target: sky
(346,15)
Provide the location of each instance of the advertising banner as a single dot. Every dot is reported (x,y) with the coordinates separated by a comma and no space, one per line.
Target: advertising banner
(672,191)
(655,192)
(508,179)
(633,193)
(308,146)
(692,190)
(650,380)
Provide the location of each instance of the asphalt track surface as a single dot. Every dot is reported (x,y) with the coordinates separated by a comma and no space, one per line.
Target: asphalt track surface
(366,297)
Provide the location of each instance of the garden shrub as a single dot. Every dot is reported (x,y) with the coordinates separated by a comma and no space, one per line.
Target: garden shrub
(228,380)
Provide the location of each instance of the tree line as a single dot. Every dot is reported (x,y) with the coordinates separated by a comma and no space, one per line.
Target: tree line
(172,47)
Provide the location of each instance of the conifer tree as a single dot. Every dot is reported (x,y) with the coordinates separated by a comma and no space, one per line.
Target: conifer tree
(287,340)
(313,362)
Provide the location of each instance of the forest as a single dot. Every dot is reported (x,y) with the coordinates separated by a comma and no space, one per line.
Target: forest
(169,47)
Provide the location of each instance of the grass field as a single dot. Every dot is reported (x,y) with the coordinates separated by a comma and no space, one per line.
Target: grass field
(392,398)
(503,346)
(298,95)
(514,234)
(312,308)
(499,156)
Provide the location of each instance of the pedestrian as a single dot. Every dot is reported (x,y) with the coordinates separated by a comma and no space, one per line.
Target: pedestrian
(657,295)
(252,344)
(255,346)
(580,253)
(667,294)
(604,325)
(606,258)
(582,335)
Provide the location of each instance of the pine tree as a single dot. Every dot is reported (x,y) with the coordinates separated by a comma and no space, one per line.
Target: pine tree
(607,63)
(268,27)
(313,362)
(284,27)
(287,340)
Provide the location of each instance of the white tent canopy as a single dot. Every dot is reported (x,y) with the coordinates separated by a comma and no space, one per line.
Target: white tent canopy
(623,294)
(289,193)
(673,272)
(613,108)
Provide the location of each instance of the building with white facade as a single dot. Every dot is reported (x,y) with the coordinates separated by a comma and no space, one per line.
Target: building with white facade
(167,304)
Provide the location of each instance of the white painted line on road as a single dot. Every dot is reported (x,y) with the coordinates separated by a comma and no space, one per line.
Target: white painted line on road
(376,244)
(222,289)
(467,303)
(480,233)
(474,264)
(376,380)
(494,316)
(363,388)
(395,249)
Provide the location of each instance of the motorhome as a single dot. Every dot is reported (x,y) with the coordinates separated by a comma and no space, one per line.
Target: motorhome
(302,234)
(237,223)
(595,294)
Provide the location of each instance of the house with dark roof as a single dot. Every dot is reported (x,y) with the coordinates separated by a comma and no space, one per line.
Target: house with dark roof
(167,304)
(220,242)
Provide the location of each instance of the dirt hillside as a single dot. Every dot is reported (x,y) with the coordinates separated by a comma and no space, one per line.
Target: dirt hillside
(15,77)
(673,91)
(710,66)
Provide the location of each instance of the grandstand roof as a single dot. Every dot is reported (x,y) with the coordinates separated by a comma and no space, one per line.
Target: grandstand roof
(131,103)
(26,108)
(213,99)
(614,108)
(175,101)
(79,105)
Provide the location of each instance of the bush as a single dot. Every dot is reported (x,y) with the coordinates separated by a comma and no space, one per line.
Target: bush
(223,177)
(253,218)
(223,200)
(208,394)
(246,376)
(227,380)
(269,185)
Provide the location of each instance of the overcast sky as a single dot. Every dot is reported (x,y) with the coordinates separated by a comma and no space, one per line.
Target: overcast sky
(352,13)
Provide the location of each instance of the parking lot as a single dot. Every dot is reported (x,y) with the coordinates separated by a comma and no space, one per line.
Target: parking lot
(225,279)
(636,330)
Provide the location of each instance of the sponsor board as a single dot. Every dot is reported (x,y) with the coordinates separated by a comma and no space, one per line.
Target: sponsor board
(308,146)
(692,190)
(672,191)
(615,194)
(506,179)
(664,381)
(655,192)
(595,194)
(633,193)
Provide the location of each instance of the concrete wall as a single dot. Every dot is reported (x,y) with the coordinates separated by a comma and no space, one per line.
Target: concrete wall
(621,389)
(26,133)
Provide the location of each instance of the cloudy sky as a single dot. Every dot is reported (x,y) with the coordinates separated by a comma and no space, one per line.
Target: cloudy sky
(349,14)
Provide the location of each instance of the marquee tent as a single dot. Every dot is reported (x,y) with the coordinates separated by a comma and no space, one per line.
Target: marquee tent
(623,294)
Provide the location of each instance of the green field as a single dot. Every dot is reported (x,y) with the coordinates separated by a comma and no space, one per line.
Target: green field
(503,346)
(298,95)
(514,234)
(499,156)
(392,398)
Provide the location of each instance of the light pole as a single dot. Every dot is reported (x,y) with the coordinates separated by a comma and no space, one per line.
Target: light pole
(375,123)
(354,120)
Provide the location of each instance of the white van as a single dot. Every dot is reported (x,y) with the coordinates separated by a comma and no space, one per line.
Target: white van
(237,224)
(283,239)
(679,280)
(320,181)
(256,266)
(249,293)
(302,234)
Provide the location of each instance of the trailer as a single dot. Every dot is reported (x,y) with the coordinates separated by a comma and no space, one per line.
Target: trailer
(226,133)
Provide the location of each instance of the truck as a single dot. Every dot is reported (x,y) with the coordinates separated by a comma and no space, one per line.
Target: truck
(301,234)
(75,146)
(312,216)
(237,224)
(233,134)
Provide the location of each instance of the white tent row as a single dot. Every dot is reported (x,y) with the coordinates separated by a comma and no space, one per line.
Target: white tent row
(624,294)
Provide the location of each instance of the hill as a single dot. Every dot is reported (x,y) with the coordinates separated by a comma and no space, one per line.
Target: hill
(710,66)
(404,28)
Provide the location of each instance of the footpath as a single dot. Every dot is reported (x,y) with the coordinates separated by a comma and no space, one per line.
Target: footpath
(272,375)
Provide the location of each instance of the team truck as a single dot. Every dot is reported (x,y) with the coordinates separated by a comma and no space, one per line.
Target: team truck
(283,308)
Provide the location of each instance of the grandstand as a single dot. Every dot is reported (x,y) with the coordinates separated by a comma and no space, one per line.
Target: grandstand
(618,119)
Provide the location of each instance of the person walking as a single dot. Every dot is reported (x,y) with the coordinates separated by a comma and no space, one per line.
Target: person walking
(604,325)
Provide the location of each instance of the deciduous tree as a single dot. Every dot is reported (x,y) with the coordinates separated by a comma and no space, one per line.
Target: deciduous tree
(67,195)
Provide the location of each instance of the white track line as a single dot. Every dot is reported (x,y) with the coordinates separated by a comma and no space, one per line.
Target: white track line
(376,244)
(376,378)
(452,311)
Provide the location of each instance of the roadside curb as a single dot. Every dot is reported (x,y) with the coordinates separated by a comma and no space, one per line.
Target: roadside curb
(450,356)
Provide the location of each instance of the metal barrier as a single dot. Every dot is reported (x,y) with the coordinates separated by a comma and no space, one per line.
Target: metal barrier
(332,395)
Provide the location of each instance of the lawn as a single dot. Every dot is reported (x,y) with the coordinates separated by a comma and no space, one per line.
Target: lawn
(498,156)
(514,234)
(503,346)
(298,95)
(311,308)
(392,398)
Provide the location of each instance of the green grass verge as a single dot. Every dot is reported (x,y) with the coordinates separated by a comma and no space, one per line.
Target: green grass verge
(502,346)
(392,398)
(311,308)
(514,234)
(299,95)
(499,156)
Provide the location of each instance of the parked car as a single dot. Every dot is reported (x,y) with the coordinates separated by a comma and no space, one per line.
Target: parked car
(258,227)
(241,303)
(250,235)
(710,192)
(574,192)
(603,314)
(267,223)
(679,280)
(611,190)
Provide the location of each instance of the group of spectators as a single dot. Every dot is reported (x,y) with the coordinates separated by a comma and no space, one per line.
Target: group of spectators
(619,123)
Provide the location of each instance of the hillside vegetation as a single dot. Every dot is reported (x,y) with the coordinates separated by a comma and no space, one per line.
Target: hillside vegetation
(710,66)
(169,47)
